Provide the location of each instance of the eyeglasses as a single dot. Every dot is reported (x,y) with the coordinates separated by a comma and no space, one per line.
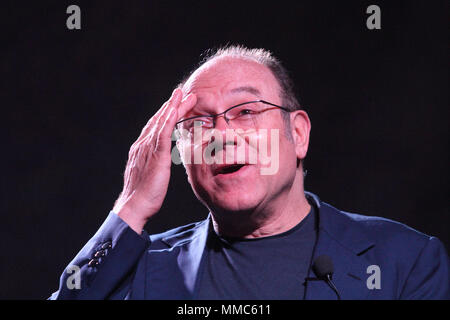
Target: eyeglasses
(244,116)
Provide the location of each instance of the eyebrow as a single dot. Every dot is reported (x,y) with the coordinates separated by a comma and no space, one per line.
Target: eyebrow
(248,89)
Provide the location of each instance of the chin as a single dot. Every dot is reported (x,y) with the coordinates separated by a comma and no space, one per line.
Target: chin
(236,201)
(229,194)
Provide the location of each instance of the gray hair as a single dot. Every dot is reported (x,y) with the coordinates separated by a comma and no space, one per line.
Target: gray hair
(265,57)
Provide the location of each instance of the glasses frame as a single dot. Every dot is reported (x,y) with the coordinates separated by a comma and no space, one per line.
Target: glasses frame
(215,116)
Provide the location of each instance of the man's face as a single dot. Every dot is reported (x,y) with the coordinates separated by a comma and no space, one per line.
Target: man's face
(219,85)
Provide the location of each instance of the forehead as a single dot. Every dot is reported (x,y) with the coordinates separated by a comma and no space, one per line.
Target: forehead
(228,75)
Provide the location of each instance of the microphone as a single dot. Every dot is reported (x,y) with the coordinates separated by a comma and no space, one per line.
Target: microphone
(323,268)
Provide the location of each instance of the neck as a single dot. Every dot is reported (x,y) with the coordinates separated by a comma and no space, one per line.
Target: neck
(277,216)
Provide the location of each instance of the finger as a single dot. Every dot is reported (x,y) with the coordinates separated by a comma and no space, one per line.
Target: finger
(149,132)
(165,132)
(154,119)
(177,113)
(172,105)
(163,139)
(187,104)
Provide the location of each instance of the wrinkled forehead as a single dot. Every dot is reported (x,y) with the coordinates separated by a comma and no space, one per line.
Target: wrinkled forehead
(225,75)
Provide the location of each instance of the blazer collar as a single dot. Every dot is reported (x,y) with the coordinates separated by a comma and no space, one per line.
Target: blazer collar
(339,236)
(341,226)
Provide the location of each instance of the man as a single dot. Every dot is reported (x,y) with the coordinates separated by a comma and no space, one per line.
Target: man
(265,237)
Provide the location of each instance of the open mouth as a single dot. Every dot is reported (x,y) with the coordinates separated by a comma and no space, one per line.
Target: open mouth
(228,169)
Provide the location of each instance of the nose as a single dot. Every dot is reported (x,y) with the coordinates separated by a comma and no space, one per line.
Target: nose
(221,124)
(220,130)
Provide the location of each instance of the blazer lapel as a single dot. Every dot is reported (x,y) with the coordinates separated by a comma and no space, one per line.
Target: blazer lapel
(341,239)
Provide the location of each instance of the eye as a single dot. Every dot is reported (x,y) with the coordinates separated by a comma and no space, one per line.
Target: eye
(198,123)
(246,111)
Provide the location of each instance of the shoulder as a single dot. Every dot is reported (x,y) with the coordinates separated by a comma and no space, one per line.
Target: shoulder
(376,226)
(386,240)
(414,265)
(383,231)
(337,221)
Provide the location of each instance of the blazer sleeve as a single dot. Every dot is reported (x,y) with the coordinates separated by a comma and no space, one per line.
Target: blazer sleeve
(104,267)
(429,278)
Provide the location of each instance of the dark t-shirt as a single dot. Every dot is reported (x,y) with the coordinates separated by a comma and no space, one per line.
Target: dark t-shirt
(273,267)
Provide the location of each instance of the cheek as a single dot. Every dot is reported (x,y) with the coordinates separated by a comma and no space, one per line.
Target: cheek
(288,163)
(287,151)
(187,152)
(198,176)
(281,158)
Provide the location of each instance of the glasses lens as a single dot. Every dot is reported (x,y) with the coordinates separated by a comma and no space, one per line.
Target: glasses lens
(190,124)
(245,115)
(193,129)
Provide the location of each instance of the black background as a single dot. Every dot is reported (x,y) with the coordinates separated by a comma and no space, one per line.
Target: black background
(73,101)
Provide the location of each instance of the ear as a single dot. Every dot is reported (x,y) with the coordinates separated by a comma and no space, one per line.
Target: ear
(300,129)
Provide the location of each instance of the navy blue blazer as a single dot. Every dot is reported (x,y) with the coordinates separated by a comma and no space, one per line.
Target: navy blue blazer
(117,263)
